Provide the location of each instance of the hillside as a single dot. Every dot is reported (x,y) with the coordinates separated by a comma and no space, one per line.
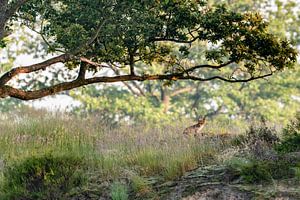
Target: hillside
(62,157)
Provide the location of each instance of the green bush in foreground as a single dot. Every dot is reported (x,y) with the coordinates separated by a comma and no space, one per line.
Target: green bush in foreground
(44,177)
(258,171)
(291,137)
(119,191)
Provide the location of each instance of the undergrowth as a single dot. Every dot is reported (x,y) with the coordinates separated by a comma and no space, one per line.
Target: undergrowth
(56,157)
(26,144)
(45,177)
(290,137)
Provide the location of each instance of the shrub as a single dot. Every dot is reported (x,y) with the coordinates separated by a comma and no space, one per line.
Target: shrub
(258,171)
(44,177)
(140,186)
(255,172)
(291,137)
(248,170)
(297,171)
(119,191)
(261,133)
(258,142)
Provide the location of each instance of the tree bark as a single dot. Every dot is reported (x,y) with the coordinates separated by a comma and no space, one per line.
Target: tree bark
(6,12)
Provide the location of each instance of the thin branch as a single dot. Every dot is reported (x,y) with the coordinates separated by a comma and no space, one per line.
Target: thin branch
(95,64)
(91,40)
(208,66)
(228,80)
(138,88)
(174,40)
(182,90)
(130,88)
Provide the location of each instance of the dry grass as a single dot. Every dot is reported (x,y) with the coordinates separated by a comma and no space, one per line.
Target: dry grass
(147,150)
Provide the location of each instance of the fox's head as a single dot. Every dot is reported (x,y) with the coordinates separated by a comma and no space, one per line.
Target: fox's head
(202,120)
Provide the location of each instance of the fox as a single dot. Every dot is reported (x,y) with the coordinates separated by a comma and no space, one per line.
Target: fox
(195,129)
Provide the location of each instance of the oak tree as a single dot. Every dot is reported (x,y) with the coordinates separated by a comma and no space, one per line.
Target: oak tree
(114,34)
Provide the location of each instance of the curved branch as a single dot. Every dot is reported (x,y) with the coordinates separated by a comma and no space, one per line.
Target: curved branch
(175,40)
(29,95)
(228,79)
(182,90)
(32,68)
(91,40)
(208,66)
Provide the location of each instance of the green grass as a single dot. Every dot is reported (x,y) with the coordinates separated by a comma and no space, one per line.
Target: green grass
(108,155)
(119,191)
(148,150)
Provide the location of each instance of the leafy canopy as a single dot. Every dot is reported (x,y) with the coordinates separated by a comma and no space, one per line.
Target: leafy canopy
(133,28)
(114,34)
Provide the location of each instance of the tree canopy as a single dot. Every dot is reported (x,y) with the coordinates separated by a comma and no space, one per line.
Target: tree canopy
(136,36)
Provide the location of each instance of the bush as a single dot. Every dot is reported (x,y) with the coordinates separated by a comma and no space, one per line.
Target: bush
(119,191)
(45,177)
(261,133)
(297,171)
(257,171)
(291,137)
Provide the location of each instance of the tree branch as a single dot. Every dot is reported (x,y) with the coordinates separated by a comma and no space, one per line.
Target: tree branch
(208,66)
(130,88)
(32,68)
(180,91)
(15,7)
(29,95)
(138,88)
(227,79)
(6,12)
(175,40)
(91,40)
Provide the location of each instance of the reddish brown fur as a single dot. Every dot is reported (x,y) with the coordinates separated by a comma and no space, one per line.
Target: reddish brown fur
(195,129)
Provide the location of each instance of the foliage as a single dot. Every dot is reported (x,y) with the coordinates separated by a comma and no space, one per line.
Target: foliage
(247,101)
(117,105)
(268,99)
(45,177)
(140,185)
(117,34)
(10,105)
(261,133)
(119,191)
(258,171)
(291,137)
(131,28)
(297,171)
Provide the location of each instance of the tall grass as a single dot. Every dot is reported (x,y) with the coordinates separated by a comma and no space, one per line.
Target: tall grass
(147,150)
